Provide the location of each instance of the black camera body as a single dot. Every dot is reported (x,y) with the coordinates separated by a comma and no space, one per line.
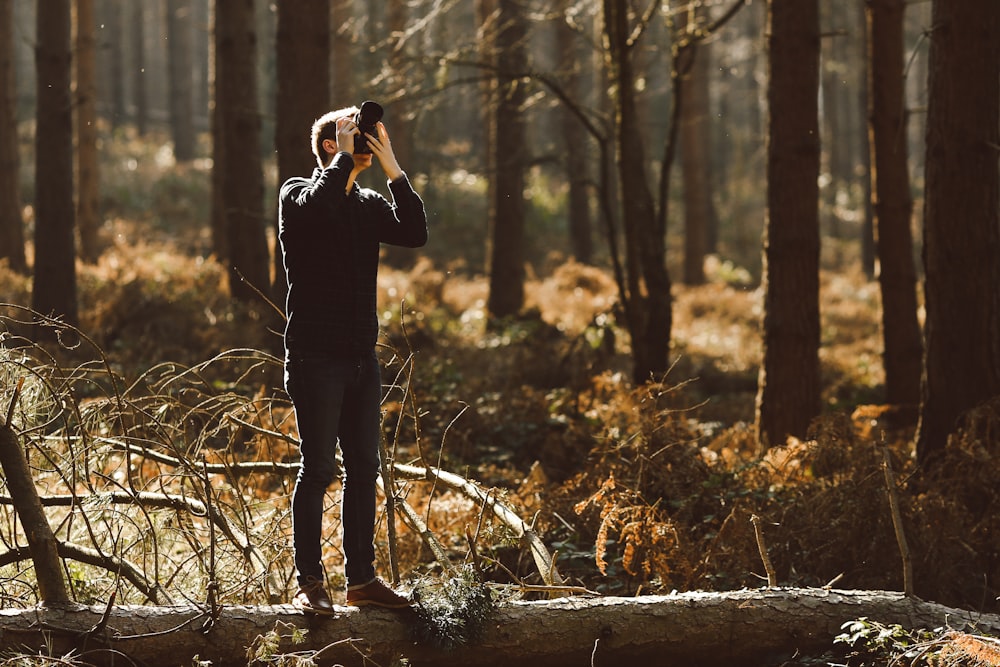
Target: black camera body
(366,119)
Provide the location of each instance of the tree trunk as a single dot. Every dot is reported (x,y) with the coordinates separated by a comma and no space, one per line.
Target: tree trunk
(140,96)
(54,288)
(507,209)
(303,46)
(88,188)
(180,72)
(648,303)
(696,629)
(41,541)
(961,218)
(575,68)
(242,179)
(11,222)
(890,178)
(696,155)
(342,62)
(788,395)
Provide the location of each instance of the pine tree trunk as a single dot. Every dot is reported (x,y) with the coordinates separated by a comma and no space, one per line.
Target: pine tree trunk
(648,308)
(88,190)
(180,71)
(303,45)
(11,223)
(54,287)
(508,139)
(242,179)
(961,218)
(698,629)
(892,204)
(788,388)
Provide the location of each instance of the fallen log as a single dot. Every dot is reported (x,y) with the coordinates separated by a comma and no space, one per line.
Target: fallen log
(700,629)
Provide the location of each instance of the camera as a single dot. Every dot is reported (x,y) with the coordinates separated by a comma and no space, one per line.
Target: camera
(367,117)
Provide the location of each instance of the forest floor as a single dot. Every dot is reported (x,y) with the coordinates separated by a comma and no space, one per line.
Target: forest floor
(637,489)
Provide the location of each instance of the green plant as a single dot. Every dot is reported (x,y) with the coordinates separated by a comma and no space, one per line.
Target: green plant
(453,611)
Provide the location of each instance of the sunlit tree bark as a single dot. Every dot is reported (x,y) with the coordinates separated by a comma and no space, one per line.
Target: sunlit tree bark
(961,218)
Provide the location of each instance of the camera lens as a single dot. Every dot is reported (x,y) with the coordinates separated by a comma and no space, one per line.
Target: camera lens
(367,117)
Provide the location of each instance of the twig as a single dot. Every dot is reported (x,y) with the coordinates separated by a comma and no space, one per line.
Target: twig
(772,577)
(897,523)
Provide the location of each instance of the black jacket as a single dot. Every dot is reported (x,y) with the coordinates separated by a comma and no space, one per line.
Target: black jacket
(330,249)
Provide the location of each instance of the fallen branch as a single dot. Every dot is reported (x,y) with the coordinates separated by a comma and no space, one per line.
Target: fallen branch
(543,561)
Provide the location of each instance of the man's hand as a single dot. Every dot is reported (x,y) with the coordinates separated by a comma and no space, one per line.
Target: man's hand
(346,130)
(382,149)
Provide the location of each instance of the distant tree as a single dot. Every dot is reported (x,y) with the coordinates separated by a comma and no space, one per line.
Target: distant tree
(137,65)
(961,219)
(238,138)
(303,45)
(903,355)
(647,301)
(575,69)
(180,77)
(398,111)
(695,143)
(788,395)
(54,286)
(88,187)
(11,223)
(113,46)
(507,135)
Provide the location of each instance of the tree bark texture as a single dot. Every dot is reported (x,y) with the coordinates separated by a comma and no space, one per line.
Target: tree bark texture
(41,541)
(648,301)
(507,210)
(696,629)
(88,187)
(11,223)
(961,218)
(788,395)
(242,179)
(890,178)
(303,47)
(54,287)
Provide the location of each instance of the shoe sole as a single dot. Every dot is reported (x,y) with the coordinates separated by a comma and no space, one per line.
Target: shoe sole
(313,611)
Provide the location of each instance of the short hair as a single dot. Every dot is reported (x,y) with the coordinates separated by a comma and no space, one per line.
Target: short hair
(325,127)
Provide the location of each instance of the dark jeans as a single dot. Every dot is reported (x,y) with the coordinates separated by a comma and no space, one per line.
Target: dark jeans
(336,399)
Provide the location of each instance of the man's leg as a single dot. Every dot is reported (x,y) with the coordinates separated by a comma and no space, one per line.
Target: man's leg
(316,386)
(360,435)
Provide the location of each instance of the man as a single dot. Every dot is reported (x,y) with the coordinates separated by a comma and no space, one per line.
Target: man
(330,230)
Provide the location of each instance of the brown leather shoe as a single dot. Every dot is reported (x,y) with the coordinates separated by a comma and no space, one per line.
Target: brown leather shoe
(312,598)
(377,594)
